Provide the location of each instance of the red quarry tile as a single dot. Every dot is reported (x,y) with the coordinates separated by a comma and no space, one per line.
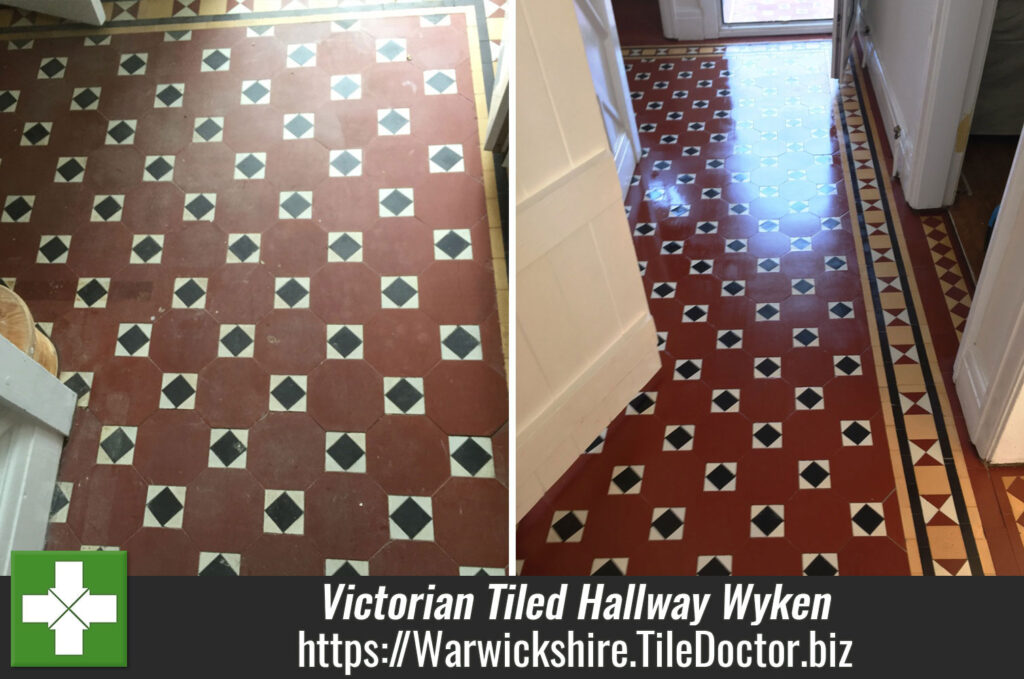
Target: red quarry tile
(347,515)
(347,294)
(411,557)
(293,247)
(446,387)
(286,450)
(282,555)
(455,292)
(463,526)
(224,510)
(407,455)
(60,536)
(241,293)
(183,340)
(298,164)
(290,341)
(346,395)
(161,551)
(109,505)
(402,342)
(399,248)
(233,392)
(125,390)
(172,447)
(79,456)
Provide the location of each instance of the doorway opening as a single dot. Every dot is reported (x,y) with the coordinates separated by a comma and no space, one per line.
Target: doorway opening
(767,12)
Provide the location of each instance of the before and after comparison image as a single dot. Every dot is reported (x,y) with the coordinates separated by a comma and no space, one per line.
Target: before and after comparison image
(513,287)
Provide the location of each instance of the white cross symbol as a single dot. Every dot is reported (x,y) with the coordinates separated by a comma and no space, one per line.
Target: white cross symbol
(68,608)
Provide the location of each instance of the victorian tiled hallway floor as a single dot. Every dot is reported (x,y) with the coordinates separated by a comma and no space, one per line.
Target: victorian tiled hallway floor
(804,419)
(262,249)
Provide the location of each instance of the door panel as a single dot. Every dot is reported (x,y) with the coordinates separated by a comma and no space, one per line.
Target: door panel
(604,56)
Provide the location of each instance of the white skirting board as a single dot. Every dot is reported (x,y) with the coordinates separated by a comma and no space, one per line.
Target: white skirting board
(85,11)
(36,411)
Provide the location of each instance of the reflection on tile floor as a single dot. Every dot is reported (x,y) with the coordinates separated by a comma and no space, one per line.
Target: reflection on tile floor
(265,255)
(777,436)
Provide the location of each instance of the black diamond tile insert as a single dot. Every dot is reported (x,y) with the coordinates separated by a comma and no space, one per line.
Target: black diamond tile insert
(345,341)
(667,523)
(345,162)
(702,266)
(133,339)
(767,311)
(687,369)
(36,133)
(440,81)
(814,474)
(410,517)
(85,98)
(190,292)
(404,395)
(117,444)
(767,367)
(472,456)
(725,400)
(77,384)
(608,568)
(345,452)
(671,247)
(219,566)
(256,91)
(662,289)
(396,201)
(346,570)
(345,246)
(695,313)
(729,339)
(92,292)
(17,208)
(733,287)
(626,479)
(460,342)
(847,365)
(132,64)
(169,94)
(178,391)
(856,432)
(819,565)
(841,309)
(714,567)
(159,168)
(51,67)
(393,121)
(250,166)
(236,341)
(805,337)
(399,292)
(769,264)
(216,60)
(147,248)
(595,443)
(809,398)
(390,50)
(295,205)
(452,244)
(720,476)
(567,526)
(803,286)
(868,519)
(228,448)
(679,437)
(767,520)
(6,100)
(641,402)
(208,129)
(446,158)
(121,131)
(288,393)
(835,262)
(107,208)
(199,206)
(301,55)
(164,506)
(298,125)
(767,435)
(59,500)
(736,245)
(53,249)
(243,247)
(644,228)
(346,87)
(292,292)
(284,512)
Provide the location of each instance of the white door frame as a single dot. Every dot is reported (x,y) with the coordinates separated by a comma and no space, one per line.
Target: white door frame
(604,55)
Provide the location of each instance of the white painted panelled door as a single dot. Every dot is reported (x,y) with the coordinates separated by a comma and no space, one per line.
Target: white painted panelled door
(604,54)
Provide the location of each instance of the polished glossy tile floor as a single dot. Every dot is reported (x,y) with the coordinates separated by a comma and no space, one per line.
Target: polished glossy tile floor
(801,422)
(263,252)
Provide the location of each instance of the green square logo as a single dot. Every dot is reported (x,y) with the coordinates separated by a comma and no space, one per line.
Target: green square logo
(69,609)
